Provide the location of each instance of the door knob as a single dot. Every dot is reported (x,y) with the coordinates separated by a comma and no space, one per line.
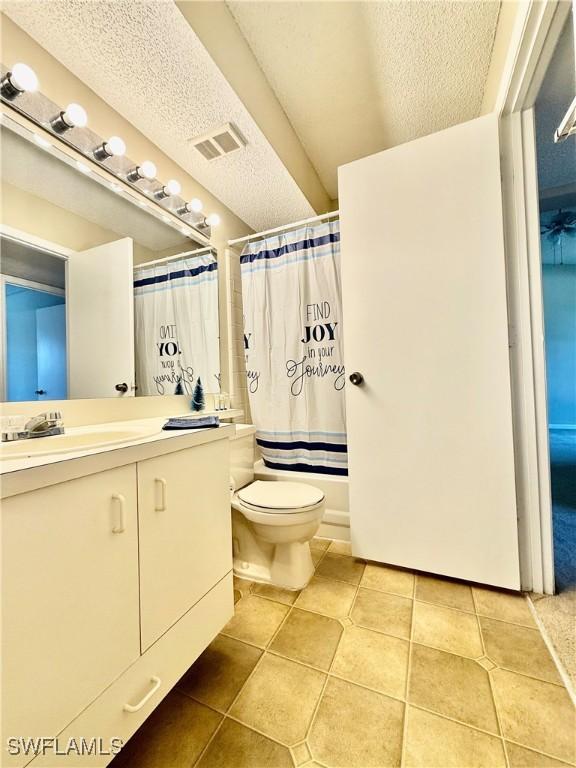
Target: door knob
(40,391)
(356,378)
(121,387)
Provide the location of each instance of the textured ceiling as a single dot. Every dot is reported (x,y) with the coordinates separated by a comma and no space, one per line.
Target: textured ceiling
(557,162)
(145,60)
(357,77)
(19,260)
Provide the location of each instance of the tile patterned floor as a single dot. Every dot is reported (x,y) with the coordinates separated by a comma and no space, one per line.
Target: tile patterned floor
(368,667)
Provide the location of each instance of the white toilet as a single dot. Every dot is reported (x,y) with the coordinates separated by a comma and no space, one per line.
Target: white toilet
(272,521)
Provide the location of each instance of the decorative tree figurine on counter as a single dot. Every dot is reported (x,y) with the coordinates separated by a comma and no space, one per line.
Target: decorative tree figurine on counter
(198,402)
(179,389)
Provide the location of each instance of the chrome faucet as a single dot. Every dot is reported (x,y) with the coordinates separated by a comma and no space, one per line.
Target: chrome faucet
(44,425)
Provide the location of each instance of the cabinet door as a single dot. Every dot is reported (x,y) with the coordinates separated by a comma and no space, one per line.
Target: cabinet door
(69,599)
(185,536)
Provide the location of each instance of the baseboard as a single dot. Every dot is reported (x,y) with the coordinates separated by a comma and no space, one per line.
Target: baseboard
(335,525)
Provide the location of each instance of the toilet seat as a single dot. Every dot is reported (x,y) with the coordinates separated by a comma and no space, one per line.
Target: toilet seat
(280,498)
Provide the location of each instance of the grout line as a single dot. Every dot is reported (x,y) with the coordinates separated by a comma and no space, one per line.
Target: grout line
(408,672)
(491,685)
(329,673)
(539,752)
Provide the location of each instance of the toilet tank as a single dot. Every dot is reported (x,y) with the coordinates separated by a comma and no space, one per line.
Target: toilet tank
(242,445)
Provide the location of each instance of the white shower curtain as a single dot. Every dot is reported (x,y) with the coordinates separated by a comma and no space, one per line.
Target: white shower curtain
(176,326)
(293,346)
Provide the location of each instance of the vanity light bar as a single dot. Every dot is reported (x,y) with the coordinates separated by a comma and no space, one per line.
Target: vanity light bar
(21,79)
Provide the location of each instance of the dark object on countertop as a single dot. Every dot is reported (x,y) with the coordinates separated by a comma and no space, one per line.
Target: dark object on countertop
(204,422)
(198,402)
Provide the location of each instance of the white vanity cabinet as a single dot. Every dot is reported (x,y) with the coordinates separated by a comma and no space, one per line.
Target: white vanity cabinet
(70,620)
(114,580)
(184,515)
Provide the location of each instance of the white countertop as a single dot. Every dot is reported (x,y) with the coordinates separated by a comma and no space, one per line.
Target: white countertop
(28,473)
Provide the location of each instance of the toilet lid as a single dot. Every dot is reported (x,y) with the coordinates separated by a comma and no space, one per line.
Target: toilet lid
(280,496)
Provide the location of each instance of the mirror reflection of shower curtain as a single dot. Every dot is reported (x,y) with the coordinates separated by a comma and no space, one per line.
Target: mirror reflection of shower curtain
(291,292)
(176,326)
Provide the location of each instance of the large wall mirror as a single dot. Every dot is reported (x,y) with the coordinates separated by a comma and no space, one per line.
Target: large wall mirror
(100,295)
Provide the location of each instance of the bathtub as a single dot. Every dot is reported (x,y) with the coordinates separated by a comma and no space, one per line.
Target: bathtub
(336,521)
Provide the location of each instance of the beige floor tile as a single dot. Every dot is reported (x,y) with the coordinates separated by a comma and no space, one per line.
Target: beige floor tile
(453,686)
(236,746)
(286,596)
(255,620)
(536,714)
(301,754)
(321,544)
(519,757)
(280,699)
(519,649)
(217,676)
(340,548)
(372,659)
(341,568)
(433,742)
(317,555)
(388,579)
(175,734)
(447,629)
(332,598)
(382,611)
(237,596)
(309,638)
(444,592)
(356,728)
(503,605)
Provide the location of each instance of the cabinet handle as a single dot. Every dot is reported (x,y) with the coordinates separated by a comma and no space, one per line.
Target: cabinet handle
(161,483)
(121,527)
(156,683)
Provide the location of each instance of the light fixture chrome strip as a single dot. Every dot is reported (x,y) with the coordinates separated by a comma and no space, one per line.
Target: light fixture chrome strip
(18,91)
(73,158)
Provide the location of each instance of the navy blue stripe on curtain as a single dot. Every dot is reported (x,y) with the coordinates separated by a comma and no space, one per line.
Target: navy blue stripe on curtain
(274,253)
(193,272)
(289,446)
(311,468)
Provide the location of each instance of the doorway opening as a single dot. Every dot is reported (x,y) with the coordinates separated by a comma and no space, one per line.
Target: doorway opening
(556,163)
(33,322)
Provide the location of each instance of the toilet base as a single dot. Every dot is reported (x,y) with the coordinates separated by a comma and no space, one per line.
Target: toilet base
(291,567)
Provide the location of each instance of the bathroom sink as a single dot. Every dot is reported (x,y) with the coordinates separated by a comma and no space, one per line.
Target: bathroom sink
(73,441)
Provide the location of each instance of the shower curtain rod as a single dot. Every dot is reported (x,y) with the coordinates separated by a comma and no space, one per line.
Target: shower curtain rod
(286,227)
(177,256)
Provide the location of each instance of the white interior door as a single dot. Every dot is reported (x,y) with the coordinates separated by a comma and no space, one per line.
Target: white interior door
(51,352)
(430,430)
(100,300)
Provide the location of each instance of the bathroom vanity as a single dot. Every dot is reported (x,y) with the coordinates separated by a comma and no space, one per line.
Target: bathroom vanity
(116,575)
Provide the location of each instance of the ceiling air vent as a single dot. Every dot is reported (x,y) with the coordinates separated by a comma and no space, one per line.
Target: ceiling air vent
(219,142)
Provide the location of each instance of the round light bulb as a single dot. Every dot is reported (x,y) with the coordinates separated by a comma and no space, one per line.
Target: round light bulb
(75,116)
(147,170)
(195,205)
(23,78)
(172,187)
(213,220)
(115,146)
